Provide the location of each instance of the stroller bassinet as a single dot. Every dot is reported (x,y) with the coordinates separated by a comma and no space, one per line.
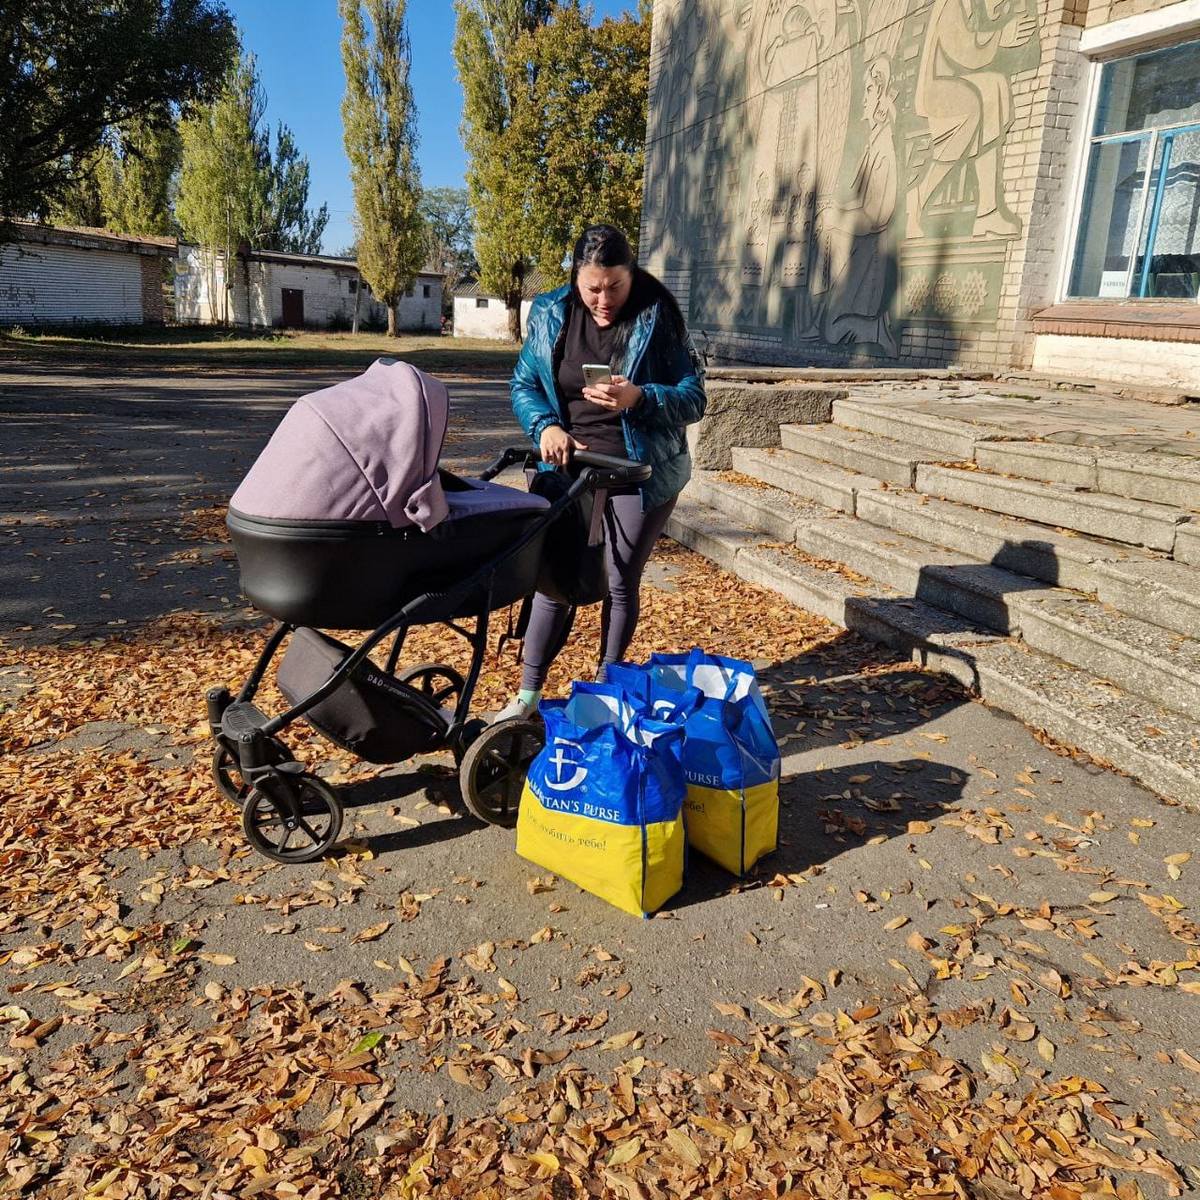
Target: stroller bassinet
(346,521)
(346,517)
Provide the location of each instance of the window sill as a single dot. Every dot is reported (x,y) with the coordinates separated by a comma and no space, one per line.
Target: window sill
(1155,321)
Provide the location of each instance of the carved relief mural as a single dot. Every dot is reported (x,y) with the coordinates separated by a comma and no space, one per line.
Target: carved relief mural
(825,172)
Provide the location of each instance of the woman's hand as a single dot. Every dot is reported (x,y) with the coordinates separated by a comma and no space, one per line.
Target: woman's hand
(618,395)
(558,445)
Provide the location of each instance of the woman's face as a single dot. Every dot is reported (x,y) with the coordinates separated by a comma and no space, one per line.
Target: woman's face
(604,291)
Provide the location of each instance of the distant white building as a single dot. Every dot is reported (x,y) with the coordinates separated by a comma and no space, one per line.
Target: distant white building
(68,275)
(271,289)
(479,314)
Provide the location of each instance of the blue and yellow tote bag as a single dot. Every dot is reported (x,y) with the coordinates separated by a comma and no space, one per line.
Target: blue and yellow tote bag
(730,756)
(603,800)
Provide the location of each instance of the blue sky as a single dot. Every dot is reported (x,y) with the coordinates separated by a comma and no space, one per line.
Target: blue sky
(297,47)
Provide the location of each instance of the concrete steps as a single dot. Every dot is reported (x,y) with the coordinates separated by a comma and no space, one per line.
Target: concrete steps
(1136,522)
(1040,552)
(1140,658)
(1058,579)
(1160,479)
(834,487)
(883,458)
(1146,659)
(1154,743)
(953,440)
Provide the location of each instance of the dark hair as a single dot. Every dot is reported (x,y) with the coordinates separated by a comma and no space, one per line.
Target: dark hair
(607,246)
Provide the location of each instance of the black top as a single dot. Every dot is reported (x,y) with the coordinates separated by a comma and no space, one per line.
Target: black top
(585,342)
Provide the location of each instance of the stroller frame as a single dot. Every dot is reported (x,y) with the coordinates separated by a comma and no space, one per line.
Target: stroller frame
(280,799)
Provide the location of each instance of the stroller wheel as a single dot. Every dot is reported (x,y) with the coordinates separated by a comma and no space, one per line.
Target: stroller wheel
(471,731)
(226,775)
(266,828)
(439,684)
(494,767)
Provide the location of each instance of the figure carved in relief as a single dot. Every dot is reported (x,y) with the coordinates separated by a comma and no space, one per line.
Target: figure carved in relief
(968,103)
(856,234)
(802,63)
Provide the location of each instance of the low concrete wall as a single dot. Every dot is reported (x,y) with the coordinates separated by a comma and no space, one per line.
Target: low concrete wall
(1120,360)
(749,414)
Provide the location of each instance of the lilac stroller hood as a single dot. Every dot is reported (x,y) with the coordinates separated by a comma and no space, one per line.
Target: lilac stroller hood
(363,450)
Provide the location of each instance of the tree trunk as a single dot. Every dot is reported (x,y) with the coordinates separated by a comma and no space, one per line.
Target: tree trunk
(392,332)
(516,293)
(357,296)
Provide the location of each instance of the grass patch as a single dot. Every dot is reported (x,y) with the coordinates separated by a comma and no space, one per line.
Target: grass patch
(205,347)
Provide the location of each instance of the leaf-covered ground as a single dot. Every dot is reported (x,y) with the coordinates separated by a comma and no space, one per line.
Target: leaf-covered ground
(971,969)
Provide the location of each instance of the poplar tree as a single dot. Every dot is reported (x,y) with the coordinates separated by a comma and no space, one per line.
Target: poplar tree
(554,121)
(501,138)
(136,173)
(379,132)
(588,100)
(223,179)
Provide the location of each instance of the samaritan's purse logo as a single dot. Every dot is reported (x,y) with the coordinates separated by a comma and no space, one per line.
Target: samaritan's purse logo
(568,772)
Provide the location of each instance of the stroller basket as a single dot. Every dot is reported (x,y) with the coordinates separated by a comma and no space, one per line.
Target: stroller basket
(371,713)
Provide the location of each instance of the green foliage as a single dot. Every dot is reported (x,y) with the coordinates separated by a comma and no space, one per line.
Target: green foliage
(290,224)
(554,121)
(233,191)
(379,131)
(589,90)
(497,119)
(136,175)
(70,71)
(78,201)
(223,180)
(127,184)
(224,177)
(449,224)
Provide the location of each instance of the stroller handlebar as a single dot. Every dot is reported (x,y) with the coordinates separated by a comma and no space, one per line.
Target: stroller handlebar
(609,471)
(600,470)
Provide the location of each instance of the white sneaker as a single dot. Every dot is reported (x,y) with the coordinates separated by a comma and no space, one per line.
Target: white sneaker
(516,709)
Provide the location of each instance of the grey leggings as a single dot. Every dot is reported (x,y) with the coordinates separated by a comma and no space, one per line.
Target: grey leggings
(629,537)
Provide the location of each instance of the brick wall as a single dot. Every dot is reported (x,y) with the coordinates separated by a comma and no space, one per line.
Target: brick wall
(720,222)
(1099,12)
(153,308)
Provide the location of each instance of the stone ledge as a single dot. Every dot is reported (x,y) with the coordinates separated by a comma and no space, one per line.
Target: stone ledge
(1157,322)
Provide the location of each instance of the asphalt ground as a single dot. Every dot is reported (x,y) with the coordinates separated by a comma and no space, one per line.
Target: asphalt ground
(935,856)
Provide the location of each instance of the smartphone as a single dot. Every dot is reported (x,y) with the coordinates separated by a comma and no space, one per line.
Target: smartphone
(594,373)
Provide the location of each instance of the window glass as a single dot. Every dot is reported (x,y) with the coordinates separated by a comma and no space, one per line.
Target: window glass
(1150,90)
(481,302)
(1139,218)
(1110,218)
(1173,224)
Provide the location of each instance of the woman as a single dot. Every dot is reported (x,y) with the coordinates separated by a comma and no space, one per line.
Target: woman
(611,312)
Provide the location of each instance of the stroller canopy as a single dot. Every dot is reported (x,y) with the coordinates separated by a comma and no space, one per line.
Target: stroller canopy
(363,450)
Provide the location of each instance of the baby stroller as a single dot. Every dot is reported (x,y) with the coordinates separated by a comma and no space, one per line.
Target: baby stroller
(346,522)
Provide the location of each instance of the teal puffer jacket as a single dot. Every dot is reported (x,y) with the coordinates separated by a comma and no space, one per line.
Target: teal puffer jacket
(667,371)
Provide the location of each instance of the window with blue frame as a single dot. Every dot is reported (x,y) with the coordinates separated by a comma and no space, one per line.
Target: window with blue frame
(1139,222)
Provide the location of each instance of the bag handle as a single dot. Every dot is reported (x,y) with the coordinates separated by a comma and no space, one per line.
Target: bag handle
(696,658)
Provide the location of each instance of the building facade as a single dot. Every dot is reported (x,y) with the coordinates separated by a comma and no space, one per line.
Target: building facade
(66,276)
(479,314)
(989,183)
(269,289)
